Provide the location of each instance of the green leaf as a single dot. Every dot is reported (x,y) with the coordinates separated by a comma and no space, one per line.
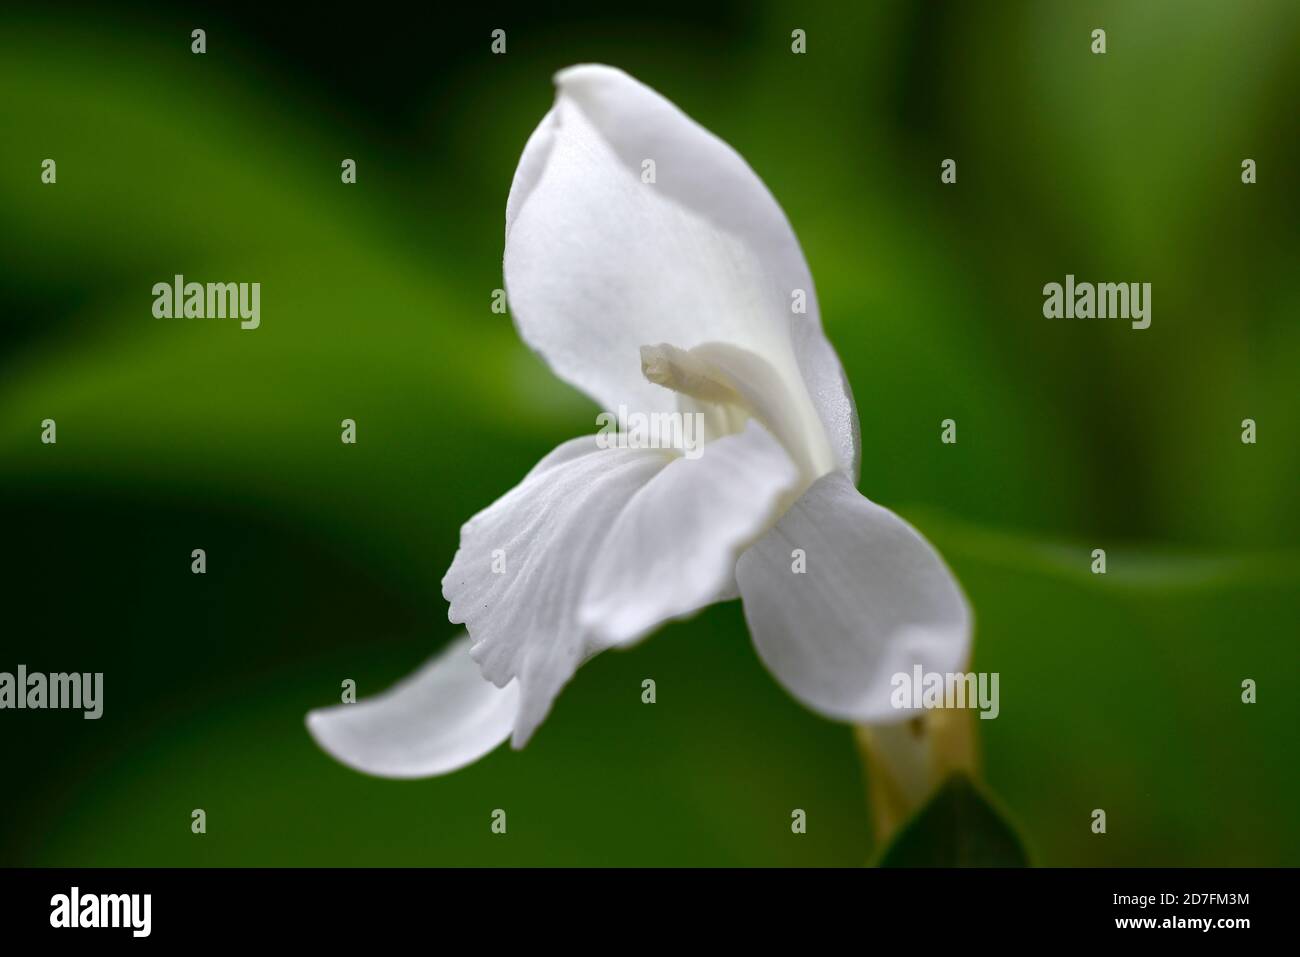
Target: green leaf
(958,828)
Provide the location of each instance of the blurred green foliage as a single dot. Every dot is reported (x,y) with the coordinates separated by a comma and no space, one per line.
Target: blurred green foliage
(1120,692)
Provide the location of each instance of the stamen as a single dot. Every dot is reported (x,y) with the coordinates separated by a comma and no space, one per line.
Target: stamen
(684,372)
(731,385)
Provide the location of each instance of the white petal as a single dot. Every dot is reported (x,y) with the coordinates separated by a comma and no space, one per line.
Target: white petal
(673,549)
(441,718)
(876,599)
(600,545)
(598,262)
(523,620)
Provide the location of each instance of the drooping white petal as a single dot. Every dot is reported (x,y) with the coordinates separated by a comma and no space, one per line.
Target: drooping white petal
(442,717)
(672,550)
(598,545)
(522,565)
(599,261)
(875,600)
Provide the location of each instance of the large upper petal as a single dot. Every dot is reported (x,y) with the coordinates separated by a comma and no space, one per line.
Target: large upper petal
(598,545)
(598,262)
(875,600)
(443,717)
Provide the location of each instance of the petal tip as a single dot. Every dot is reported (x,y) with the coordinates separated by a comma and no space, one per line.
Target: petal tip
(586,74)
(437,720)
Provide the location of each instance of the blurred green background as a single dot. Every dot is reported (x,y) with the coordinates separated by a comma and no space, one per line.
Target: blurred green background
(1119,692)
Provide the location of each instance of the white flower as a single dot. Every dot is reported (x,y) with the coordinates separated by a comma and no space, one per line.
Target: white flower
(671,295)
